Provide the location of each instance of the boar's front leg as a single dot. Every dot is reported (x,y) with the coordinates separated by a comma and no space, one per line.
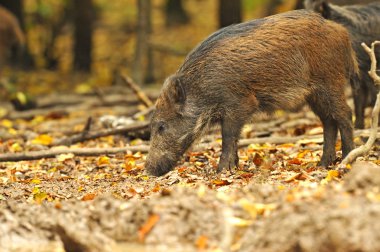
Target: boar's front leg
(230,135)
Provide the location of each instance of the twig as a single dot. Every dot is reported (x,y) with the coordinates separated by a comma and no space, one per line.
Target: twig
(108,132)
(375,112)
(34,155)
(87,127)
(137,90)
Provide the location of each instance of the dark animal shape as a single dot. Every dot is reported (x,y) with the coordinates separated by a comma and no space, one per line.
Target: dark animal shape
(11,35)
(363,24)
(278,62)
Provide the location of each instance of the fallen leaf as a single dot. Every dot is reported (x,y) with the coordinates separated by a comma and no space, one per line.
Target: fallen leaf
(148,226)
(293,177)
(332,174)
(36,181)
(89,196)
(43,139)
(64,157)
(221,182)
(201,242)
(103,160)
(295,161)
(16,147)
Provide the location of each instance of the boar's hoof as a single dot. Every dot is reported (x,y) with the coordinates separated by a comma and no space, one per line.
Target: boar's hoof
(326,160)
(229,163)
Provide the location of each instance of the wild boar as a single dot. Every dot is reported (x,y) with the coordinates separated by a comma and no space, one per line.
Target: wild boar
(363,25)
(11,35)
(278,62)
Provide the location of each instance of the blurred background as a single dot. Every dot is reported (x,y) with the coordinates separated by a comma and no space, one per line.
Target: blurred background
(67,45)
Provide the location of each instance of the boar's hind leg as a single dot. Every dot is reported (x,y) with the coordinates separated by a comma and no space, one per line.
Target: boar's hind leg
(332,109)
(345,129)
(230,134)
(330,129)
(360,96)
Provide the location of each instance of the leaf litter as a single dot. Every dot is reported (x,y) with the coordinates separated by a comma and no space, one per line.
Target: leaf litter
(276,200)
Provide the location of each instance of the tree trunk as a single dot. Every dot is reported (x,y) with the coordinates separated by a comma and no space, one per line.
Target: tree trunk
(20,57)
(83,29)
(175,13)
(149,77)
(299,5)
(142,42)
(229,12)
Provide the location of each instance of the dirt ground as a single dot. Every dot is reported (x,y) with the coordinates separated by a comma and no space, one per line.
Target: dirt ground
(276,200)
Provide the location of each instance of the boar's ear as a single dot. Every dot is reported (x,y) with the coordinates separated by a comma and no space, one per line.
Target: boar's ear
(179,93)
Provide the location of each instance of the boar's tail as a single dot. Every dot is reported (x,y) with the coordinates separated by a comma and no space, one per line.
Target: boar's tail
(353,69)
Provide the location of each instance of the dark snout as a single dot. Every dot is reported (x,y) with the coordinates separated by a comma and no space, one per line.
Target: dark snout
(159,163)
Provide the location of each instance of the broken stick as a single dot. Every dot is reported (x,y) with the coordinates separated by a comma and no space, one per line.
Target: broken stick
(107,132)
(35,155)
(137,90)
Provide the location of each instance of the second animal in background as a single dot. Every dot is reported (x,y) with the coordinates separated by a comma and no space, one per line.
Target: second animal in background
(363,24)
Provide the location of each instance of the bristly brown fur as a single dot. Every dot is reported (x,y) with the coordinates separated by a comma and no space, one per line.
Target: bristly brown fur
(273,63)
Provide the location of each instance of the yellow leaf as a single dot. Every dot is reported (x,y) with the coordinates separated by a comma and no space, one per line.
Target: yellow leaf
(6,123)
(281,187)
(141,118)
(3,112)
(43,139)
(54,169)
(35,190)
(36,181)
(135,142)
(83,88)
(144,177)
(103,160)
(39,197)
(16,147)
(333,174)
(12,131)
(21,97)
(38,119)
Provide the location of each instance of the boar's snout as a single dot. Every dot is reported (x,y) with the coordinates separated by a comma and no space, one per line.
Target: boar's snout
(158,164)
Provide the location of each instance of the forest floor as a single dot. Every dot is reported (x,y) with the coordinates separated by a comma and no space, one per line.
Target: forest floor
(276,200)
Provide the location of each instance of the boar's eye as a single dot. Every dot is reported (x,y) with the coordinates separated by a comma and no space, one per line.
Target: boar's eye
(161,127)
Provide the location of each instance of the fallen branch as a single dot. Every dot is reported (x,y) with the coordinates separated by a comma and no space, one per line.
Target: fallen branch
(51,153)
(137,90)
(375,112)
(107,132)
(35,155)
